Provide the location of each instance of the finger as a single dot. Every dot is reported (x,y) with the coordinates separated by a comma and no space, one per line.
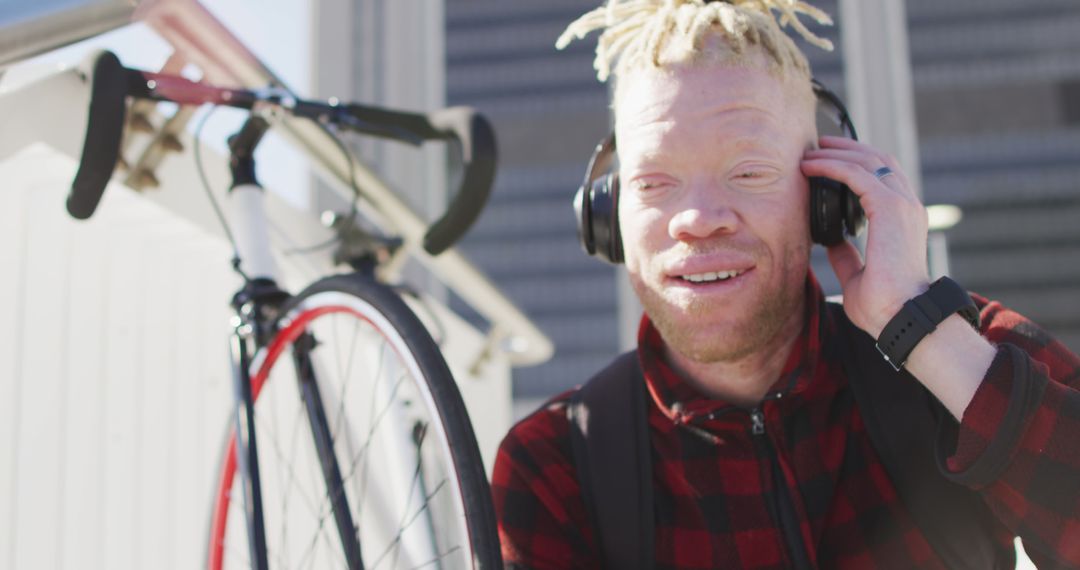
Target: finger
(845,143)
(845,260)
(872,163)
(862,182)
(869,161)
(898,214)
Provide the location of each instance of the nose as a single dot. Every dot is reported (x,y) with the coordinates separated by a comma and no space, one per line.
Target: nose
(703,212)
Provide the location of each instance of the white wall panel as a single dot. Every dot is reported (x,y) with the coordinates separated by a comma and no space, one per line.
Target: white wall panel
(85,401)
(12,238)
(114,376)
(38,463)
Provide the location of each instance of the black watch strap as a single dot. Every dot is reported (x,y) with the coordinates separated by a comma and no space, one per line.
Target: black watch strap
(920,316)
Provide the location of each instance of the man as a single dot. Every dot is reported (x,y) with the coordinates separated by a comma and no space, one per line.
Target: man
(714,118)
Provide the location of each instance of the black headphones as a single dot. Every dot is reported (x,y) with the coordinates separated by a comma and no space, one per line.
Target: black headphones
(834,208)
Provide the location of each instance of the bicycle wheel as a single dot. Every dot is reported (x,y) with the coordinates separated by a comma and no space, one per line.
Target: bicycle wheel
(412,475)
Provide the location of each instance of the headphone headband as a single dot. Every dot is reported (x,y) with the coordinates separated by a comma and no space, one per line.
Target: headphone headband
(824,94)
(601,159)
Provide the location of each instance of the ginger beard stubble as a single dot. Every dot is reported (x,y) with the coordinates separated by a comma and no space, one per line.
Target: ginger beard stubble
(771,228)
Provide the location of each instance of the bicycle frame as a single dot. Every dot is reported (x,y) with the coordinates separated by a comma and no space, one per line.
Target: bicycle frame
(256,305)
(254,327)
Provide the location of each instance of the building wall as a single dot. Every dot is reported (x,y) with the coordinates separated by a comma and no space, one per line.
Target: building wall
(997,88)
(997,103)
(549,111)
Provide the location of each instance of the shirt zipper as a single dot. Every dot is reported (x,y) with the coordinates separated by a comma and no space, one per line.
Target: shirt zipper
(782,502)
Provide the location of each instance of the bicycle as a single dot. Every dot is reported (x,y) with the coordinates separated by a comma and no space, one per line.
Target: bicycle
(404,451)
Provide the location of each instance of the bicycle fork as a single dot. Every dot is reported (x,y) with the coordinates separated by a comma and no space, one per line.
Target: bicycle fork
(246,451)
(324,444)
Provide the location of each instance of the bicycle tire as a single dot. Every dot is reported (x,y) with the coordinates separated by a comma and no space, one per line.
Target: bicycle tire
(320,309)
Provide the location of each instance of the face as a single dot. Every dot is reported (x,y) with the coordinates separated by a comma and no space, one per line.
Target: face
(713,207)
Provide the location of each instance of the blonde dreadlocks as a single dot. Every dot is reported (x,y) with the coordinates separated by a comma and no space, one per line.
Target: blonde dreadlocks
(640,31)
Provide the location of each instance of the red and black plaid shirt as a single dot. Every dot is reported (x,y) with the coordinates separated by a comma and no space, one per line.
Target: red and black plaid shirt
(712,484)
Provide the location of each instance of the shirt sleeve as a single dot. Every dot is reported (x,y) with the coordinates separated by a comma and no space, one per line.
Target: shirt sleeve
(1019,441)
(542,519)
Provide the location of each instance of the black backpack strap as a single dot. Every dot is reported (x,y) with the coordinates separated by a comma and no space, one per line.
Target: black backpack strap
(901,418)
(609,433)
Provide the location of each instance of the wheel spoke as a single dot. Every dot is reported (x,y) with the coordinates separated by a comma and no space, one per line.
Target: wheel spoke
(328,499)
(413,485)
(407,520)
(370,427)
(288,466)
(367,442)
(340,419)
(436,560)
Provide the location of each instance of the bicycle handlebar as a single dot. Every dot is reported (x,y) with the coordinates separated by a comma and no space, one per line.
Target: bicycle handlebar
(477,138)
(104,128)
(112,83)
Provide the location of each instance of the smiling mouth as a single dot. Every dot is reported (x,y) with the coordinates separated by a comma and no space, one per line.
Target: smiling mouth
(711,277)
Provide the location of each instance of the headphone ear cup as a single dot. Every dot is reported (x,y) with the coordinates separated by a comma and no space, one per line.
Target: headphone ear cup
(597,205)
(826,210)
(604,219)
(854,215)
(834,211)
(615,248)
(583,209)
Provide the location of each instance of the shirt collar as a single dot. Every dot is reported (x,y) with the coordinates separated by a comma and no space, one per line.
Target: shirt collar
(681,402)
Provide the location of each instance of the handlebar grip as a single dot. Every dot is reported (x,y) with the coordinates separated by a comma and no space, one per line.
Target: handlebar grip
(104,128)
(478,149)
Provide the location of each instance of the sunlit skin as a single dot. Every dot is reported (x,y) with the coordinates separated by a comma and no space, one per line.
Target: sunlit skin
(711,181)
(713,166)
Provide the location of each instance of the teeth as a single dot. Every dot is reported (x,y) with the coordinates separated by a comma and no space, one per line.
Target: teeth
(712,276)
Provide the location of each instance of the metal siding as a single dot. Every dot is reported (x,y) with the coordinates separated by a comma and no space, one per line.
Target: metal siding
(549,111)
(992,93)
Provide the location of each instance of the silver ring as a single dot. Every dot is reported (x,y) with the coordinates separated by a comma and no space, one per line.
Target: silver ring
(883,172)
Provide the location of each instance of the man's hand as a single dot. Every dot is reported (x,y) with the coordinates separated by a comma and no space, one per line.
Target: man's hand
(895,268)
(951,361)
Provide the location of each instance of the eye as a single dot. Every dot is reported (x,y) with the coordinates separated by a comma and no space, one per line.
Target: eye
(648,184)
(756,177)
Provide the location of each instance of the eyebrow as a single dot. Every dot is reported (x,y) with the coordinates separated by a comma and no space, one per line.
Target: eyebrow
(756,144)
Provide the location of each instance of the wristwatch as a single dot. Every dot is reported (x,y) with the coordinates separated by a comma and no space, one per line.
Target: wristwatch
(920,316)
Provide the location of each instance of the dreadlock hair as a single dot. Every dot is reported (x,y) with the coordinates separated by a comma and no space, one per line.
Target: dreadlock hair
(655,33)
